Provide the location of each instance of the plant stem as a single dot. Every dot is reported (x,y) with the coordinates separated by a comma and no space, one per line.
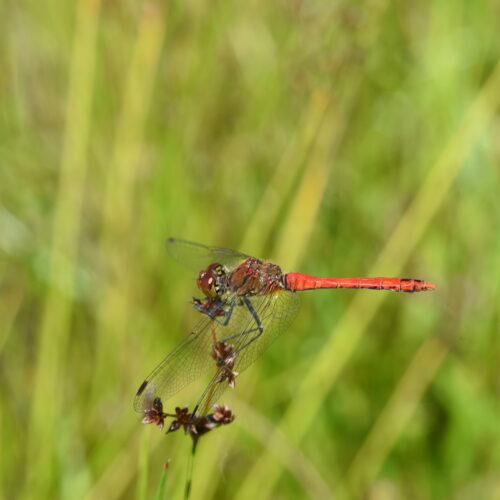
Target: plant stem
(160,494)
(189,478)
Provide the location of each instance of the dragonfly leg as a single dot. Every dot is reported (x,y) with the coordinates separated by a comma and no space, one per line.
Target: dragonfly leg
(210,307)
(213,309)
(258,328)
(228,313)
(241,334)
(216,309)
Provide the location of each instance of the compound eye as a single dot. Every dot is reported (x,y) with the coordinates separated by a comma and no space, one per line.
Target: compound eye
(206,283)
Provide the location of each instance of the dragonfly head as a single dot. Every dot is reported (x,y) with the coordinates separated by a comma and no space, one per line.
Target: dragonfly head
(210,281)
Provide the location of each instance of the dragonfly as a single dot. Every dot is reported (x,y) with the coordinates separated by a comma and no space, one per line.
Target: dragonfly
(245,304)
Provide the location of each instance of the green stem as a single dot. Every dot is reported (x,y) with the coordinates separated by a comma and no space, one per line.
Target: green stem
(160,494)
(189,478)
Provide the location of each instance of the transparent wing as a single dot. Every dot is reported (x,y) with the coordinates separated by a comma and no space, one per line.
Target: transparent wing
(193,357)
(275,313)
(196,256)
(188,361)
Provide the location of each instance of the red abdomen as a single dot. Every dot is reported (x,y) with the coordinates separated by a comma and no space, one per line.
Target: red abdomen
(298,282)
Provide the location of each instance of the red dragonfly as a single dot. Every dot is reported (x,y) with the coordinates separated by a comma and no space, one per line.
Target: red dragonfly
(246,304)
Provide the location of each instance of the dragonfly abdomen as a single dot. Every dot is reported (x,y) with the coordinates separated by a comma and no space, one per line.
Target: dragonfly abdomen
(299,282)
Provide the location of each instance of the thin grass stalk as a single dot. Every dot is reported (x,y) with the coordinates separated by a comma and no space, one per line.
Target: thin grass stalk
(190,469)
(160,494)
(346,335)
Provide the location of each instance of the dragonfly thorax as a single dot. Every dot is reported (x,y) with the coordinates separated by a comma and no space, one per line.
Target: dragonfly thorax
(212,281)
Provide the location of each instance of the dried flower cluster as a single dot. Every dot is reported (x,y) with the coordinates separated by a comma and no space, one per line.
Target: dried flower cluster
(194,425)
(224,356)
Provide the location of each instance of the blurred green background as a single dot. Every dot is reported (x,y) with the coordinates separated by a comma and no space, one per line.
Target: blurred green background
(336,138)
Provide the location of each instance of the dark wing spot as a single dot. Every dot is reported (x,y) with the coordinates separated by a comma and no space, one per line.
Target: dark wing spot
(141,389)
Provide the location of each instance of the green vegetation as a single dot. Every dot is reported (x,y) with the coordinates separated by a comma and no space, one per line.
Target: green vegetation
(334,138)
